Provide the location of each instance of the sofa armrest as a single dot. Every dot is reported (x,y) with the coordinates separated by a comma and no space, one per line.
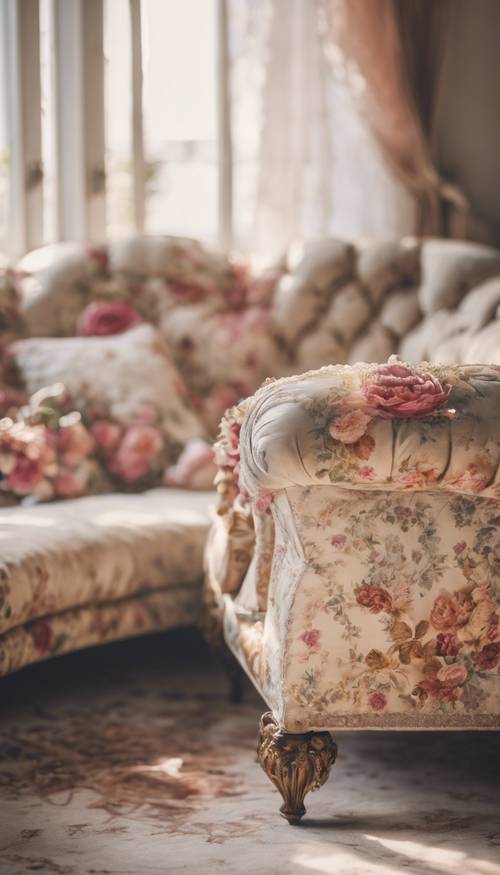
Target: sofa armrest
(390,427)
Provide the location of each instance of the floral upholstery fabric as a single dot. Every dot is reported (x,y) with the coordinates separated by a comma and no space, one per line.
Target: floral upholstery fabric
(115,556)
(154,337)
(201,302)
(129,376)
(229,327)
(91,625)
(133,407)
(380,603)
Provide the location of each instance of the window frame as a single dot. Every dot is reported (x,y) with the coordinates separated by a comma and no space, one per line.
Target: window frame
(77,83)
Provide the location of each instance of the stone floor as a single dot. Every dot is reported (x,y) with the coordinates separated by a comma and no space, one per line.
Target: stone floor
(128,760)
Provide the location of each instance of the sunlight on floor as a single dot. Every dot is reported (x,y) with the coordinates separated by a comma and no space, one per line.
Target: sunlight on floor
(336,863)
(446,859)
(391,852)
(171,766)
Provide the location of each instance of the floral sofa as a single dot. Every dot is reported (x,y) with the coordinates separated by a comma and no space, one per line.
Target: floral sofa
(118,362)
(356,558)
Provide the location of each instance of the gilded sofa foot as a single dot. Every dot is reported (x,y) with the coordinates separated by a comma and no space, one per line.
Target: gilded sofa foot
(294,763)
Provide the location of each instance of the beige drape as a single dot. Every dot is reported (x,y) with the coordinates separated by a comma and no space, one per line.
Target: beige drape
(394,51)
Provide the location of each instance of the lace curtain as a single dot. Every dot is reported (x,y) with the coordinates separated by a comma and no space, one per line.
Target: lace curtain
(305,163)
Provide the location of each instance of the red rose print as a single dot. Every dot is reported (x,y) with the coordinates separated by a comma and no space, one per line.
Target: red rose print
(436,690)
(459,548)
(42,635)
(377,701)
(447,645)
(374,598)
(101,318)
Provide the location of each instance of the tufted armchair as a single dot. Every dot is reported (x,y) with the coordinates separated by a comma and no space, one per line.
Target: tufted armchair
(355,557)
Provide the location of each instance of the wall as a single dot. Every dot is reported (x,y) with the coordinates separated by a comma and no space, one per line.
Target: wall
(468,122)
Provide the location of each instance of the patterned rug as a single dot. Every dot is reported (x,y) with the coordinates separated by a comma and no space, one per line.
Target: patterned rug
(128,760)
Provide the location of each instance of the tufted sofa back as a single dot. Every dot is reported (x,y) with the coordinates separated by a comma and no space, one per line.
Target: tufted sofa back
(328,302)
(437,300)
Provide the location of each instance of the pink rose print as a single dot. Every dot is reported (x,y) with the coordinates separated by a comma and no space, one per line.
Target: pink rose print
(338,541)
(74,443)
(106,434)
(25,476)
(366,472)
(101,318)
(452,675)
(349,427)
(311,639)
(459,548)
(377,701)
(139,446)
(69,484)
(399,391)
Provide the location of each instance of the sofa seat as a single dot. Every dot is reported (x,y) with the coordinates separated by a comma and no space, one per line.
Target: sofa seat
(85,571)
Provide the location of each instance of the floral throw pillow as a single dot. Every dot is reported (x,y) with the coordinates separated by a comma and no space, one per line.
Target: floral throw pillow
(129,395)
(46,451)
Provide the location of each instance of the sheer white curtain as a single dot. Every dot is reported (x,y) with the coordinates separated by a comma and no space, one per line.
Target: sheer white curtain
(305,164)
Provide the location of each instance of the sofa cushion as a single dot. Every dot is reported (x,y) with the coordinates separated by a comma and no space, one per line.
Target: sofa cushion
(98,549)
(484,346)
(53,284)
(480,305)
(304,294)
(383,265)
(58,281)
(129,392)
(123,373)
(223,354)
(450,268)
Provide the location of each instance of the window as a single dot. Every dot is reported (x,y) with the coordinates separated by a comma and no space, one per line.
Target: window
(111,120)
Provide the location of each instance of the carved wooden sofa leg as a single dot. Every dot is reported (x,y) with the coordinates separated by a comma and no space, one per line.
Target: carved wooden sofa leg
(295,763)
